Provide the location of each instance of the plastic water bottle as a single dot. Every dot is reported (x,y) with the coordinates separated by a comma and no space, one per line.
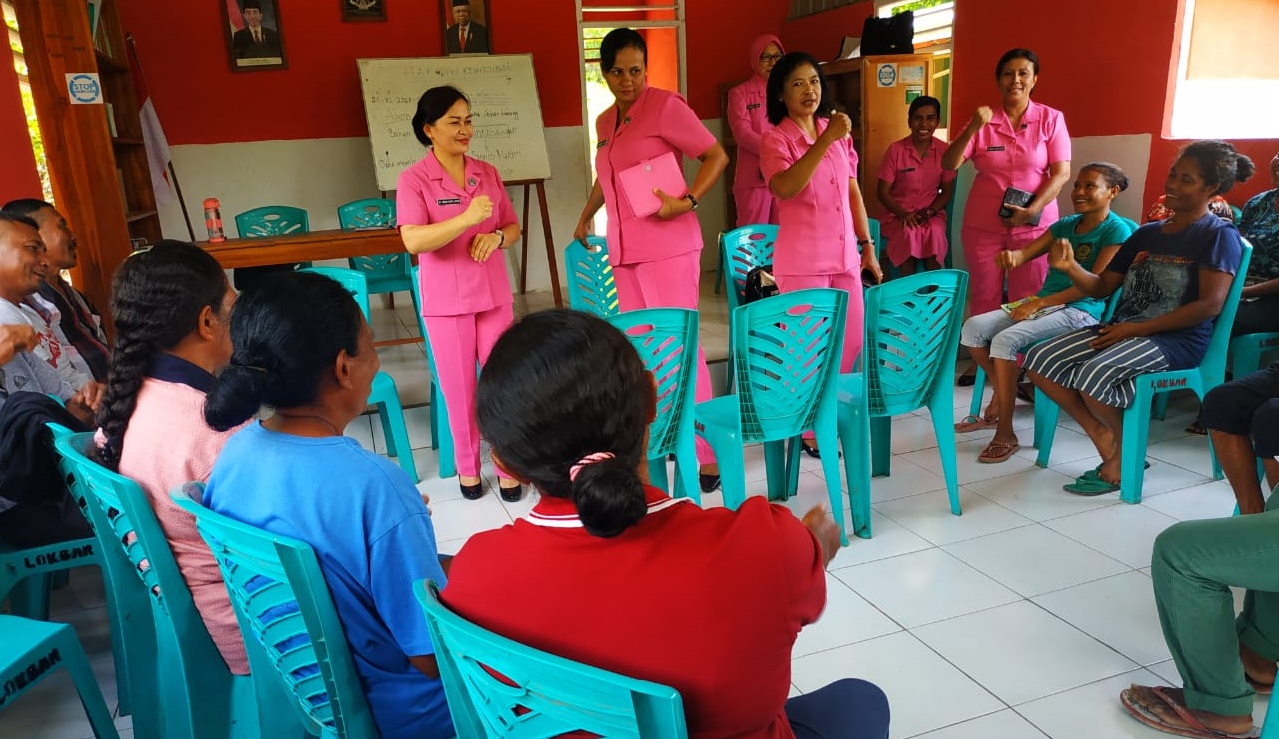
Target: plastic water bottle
(213,220)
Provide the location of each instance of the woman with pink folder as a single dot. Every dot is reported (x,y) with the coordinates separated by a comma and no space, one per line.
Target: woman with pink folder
(654,240)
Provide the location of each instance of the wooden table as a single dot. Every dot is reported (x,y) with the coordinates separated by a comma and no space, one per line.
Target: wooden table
(305,247)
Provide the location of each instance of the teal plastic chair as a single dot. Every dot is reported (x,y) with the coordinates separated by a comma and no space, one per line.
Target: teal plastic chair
(789,348)
(198,695)
(1248,350)
(273,220)
(498,688)
(441,435)
(290,625)
(741,250)
(666,339)
(908,363)
(384,394)
(385,273)
(591,287)
(31,650)
(1209,374)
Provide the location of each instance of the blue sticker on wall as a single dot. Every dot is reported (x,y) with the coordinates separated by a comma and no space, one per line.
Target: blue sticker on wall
(84,88)
(886,75)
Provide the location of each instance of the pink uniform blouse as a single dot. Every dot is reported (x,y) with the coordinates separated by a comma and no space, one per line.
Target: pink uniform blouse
(658,122)
(914,180)
(452,283)
(748,117)
(1006,158)
(815,228)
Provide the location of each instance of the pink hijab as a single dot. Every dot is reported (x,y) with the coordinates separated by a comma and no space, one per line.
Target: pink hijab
(757,47)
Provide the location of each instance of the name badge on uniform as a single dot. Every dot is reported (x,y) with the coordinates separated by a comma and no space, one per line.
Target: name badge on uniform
(449,201)
(752,106)
(908,169)
(601,144)
(994,148)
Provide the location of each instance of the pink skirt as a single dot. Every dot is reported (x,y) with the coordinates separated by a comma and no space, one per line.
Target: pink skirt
(928,241)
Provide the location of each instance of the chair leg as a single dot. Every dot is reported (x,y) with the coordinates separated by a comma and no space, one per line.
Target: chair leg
(77,664)
(881,445)
(732,472)
(1046,431)
(396,432)
(719,275)
(657,474)
(1161,405)
(828,438)
(778,472)
(979,391)
(1132,463)
(854,436)
(686,469)
(944,428)
(435,418)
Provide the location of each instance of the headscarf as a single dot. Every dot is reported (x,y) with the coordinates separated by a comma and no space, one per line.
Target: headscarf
(757,47)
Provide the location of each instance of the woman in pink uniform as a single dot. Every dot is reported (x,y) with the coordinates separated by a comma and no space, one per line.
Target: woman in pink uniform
(914,189)
(748,118)
(811,166)
(454,214)
(656,259)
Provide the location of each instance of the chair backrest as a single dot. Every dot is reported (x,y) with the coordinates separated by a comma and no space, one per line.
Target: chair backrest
(288,619)
(591,287)
(1214,363)
(788,352)
(272,220)
(666,340)
(367,213)
(912,329)
(744,249)
(1111,304)
(500,688)
(355,283)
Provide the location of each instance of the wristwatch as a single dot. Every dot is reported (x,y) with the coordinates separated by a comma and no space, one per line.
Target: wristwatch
(692,200)
(501,237)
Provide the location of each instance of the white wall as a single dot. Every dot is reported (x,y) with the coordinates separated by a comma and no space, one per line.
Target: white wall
(321,174)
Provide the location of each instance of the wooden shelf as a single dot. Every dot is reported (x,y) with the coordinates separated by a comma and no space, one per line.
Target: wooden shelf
(118,141)
(138,215)
(109,64)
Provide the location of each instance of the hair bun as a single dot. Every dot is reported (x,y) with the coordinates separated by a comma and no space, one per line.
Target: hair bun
(609,497)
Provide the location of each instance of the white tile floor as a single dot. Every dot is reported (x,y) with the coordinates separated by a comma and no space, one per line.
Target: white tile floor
(1021,619)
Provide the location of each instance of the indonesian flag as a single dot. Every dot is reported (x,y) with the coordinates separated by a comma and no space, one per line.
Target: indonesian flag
(157,145)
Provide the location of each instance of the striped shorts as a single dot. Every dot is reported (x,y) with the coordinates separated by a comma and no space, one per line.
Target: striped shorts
(1108,374)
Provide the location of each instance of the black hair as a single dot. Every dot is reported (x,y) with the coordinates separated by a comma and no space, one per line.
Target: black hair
(1111,173)
(1012,54)
(432,106)
(777,79)
(560,385)
(922,101)
(616,40)
(156,300)
(1219,163)
(286,335)
(25,220)
(26,207)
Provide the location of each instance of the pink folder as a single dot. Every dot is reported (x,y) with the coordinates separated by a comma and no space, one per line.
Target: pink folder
(637,183)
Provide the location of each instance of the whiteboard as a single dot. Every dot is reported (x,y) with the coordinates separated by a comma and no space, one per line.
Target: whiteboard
(504,105)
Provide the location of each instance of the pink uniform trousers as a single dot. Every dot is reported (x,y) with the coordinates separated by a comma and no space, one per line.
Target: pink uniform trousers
(668,283)
(457,344)
(755,205)
(986,279)
(854,323)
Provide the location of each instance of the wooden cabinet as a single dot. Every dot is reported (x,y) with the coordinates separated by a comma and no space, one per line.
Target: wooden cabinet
(876,92)
(99,171)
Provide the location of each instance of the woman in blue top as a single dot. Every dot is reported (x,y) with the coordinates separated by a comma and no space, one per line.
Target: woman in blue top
(303,348)
(994,339)
(1175,275)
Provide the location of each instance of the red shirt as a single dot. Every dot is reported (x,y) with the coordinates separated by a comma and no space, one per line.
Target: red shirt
(708,602)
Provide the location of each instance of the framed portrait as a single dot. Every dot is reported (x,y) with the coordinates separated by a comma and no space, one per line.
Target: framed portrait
(363,10)
(466,27)
(254,35)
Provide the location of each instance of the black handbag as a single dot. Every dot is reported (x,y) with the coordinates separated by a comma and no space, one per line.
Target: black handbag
(759,284)
(892,35)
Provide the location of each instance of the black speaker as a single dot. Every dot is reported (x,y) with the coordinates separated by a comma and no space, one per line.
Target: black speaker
(893,35)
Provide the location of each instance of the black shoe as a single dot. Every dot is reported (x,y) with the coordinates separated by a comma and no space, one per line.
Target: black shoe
(472,492)
(708,483)
(813,451)
(512,494)
(968,379)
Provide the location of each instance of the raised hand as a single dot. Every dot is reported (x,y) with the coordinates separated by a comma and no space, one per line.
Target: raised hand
(1061,256)
(479,210)
(981,117)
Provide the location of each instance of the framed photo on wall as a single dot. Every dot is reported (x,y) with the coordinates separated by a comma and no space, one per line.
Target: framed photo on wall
(466,27)
(255,38)
(363,10)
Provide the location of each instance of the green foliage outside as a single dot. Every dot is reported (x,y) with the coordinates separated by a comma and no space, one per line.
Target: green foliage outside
(28,105)
(918,5)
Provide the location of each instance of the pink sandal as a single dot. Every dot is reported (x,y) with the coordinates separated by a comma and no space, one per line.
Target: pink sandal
(975,423)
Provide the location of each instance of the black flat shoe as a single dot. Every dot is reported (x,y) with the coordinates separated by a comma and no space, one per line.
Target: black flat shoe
(511,495)
(813,451)
(708,483)
(472,492)
(968,379)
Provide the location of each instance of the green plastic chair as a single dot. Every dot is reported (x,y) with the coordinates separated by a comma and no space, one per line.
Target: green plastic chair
(590,277)
(273,220)
(198,695)
(441,435)
(384,394)
(498,688)
(1154,387)
(742,249)
(386,273)
(789,347)
(666,339)
(290,625)
(1248,350)
(908,363)
(31,650)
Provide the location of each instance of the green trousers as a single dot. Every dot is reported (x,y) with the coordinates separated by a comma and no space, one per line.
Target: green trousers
(1194,565)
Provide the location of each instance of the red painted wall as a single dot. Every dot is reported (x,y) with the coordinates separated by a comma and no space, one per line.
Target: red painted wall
(822,34)
(18,178)
(1106,78)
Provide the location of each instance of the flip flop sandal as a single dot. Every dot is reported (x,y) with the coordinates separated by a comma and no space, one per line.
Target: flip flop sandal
(1090,487)
(997,451)
(1259,688)
(1093,473)
(1197,429)
(975,423)
(1193,728)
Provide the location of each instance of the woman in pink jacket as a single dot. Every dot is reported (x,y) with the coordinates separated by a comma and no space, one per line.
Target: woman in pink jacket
(748,119)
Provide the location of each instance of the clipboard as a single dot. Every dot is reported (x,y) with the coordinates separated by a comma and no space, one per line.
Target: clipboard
(638,182)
